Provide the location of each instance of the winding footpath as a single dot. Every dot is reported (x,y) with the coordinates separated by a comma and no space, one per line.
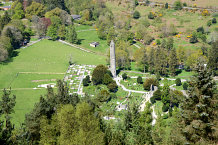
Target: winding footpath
(146,96)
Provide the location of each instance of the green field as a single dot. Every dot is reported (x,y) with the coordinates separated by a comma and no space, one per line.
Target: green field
(41,63)
(88,34)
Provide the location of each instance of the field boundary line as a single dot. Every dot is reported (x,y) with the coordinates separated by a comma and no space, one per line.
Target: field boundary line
(49,73)
(81,48)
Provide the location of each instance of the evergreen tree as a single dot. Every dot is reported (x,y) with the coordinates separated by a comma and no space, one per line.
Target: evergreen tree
(199,115)
(98,74)
(173,62)
(7,104)
(213,56)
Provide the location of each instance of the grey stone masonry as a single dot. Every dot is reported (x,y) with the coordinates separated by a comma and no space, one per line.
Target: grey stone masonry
(113,59)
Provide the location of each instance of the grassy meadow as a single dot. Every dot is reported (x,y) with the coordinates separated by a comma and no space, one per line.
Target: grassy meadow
(88,34)
(41,63)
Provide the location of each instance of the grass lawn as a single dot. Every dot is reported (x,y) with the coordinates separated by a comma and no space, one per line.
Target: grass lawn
(87,35)
(44,57)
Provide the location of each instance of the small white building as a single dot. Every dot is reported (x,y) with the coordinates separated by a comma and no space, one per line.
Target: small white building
(94,44)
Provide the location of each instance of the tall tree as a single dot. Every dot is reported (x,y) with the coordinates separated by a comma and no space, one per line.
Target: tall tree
(7,104)
(173,61)
(34,9)
(71,34)
(17,9)
(199,115)
(213,56)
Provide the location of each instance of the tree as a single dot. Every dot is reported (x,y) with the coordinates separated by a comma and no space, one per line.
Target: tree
(62,32)
(124,76)
(194,38)
(185,86)
(107,79)
(209,23)
(151,15)
(198,127)
(86,81)
(200,29)
(3,54)
(89,131)
(41,25)
(166,5)
(36,9)
(101,32)
(71,35)
(214,21)
(122,59)
(213,56)
(178,82)
(139,80)
(7,104)
(151,61)
(177,5)
(103,96)
(169,43)
(52,32)
(173,62)
(4,20)
(112,86)
(72,126)
(15,35)
(47,106)
(111,35)
(17,8)
(148,82)
(136,15)
(98,74)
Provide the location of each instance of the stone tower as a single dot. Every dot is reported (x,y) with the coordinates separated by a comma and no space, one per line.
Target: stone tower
(112,59)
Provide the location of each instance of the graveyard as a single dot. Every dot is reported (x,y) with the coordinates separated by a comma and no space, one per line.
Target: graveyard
(33,69)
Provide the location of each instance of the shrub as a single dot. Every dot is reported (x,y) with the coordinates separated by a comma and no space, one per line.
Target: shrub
(112,87)
(158,77)
(214,21)
(152,99)
(209,23)
(200,29)
(177,5)
(124,76)
(139,80)
(205,13)
(148,39)
(157,95)
(107,79)
(103,96)
(158,42)
(98,74)
(86,81)
(148,82)
(166,5)
(185,86)
(165,107)
(136,15)
(185,4)
(194,38)
(151,15)
(178,82)
(165,116)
